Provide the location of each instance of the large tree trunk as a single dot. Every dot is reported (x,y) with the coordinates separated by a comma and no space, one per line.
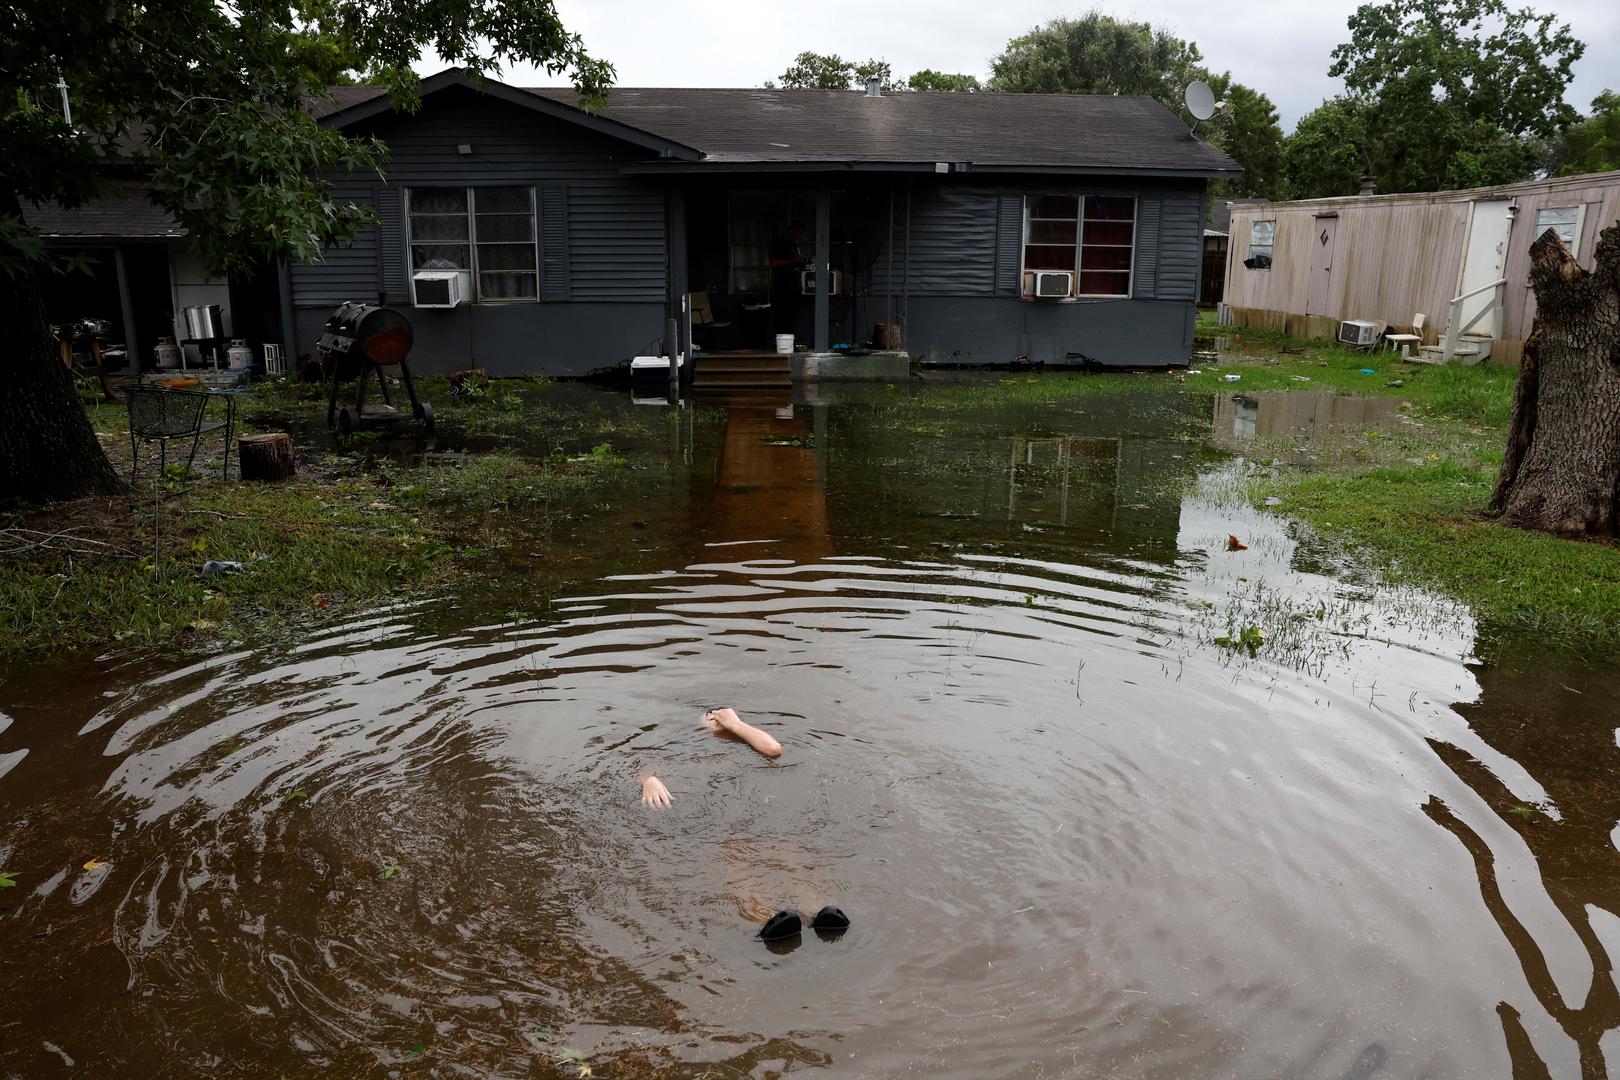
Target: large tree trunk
(1562,469)
(48,450)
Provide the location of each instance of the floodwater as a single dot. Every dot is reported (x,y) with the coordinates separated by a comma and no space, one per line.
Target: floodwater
(1075,835)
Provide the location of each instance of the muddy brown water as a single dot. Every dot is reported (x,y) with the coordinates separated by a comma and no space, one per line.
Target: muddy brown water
(1076,836)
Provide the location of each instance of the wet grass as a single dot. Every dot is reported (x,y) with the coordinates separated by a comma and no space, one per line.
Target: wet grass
(1423,525)
(351,528)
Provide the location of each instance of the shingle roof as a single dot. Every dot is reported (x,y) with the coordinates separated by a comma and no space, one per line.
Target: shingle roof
(1064,131)
(125,214)
(1051,130)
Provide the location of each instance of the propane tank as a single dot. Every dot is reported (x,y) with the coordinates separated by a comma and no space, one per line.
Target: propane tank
(239,355)
(165,353)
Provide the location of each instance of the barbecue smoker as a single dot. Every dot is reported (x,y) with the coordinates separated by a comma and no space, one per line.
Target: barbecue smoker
(359,341)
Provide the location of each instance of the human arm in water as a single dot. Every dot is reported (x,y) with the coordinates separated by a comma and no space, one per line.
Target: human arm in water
(727,722)
(654,793)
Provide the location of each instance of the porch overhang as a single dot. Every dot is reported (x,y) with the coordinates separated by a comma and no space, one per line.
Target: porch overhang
(908,168)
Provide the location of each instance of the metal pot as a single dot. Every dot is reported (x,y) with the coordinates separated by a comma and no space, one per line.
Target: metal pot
(204,322)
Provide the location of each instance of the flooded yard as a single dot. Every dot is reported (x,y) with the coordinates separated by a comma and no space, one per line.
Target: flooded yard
(1102,796)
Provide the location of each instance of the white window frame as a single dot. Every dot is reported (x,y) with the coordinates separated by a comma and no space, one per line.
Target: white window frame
(1575,227)
(474,292)
(1025,272)
(1271,248)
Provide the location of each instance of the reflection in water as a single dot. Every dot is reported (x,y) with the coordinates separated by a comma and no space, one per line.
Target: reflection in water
(1301,415)
(1074,837)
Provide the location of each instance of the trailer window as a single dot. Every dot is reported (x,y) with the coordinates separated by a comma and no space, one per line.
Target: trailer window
(1563,220)
(1262,234)
(487,233)
(1091,238)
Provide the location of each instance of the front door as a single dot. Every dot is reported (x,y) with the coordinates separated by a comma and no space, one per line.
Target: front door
(1319,292)
(1484,260)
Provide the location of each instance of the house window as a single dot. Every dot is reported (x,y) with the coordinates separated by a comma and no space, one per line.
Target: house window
(1563,220)
(1090,237)
(486,233)
(1262,234)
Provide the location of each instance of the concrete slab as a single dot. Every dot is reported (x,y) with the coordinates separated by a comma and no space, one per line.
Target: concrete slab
(836,367)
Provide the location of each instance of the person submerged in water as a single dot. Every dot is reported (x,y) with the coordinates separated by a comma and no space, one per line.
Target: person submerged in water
(727,724)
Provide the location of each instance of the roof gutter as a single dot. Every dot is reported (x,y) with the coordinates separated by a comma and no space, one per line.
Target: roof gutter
(664,168)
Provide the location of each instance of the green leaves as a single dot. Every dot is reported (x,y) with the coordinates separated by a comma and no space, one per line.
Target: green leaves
(390,870)
(8,879)
(1249,640)
(1456,93)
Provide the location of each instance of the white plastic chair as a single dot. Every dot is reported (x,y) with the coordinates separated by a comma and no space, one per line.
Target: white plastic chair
(1406,341)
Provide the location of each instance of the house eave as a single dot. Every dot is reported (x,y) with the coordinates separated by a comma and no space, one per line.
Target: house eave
(452,77)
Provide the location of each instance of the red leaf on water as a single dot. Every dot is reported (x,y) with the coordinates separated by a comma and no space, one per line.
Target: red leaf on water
(1234,544)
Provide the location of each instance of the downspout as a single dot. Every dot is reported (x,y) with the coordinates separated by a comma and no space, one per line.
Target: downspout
(905,284)
(289,334)
(889,245)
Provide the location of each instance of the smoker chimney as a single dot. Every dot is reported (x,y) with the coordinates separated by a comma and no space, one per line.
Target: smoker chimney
(874,86)
(1368,187)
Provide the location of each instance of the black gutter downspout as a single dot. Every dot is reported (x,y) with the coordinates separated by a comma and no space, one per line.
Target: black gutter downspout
(905,284)
(823,257)
(889,282)
(132,345)
(289,334)
(678,345)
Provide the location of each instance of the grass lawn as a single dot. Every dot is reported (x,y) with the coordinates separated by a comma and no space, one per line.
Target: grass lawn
(1412,501)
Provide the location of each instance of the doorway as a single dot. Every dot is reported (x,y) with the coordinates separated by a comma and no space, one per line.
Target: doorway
(1484,260)
(1318,295)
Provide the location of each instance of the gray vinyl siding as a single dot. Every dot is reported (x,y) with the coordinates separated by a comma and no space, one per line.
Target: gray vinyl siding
(616,248)
(344,272)
(953,243)
(601,234)
(1181,245)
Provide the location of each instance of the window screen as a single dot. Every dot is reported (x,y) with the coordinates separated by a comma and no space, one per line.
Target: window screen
(503,223)
(1563,220)
(487,233)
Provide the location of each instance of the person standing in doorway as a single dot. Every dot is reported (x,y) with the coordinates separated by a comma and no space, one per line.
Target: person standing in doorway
(787,262)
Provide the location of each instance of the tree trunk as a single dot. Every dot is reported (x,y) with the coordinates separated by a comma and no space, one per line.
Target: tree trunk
(48,450)
(1561,473)
(265,457)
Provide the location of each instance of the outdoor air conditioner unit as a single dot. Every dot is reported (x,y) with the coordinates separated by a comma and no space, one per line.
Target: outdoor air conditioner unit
(436,288)
(1054,284)
(1359,333)
(835,282)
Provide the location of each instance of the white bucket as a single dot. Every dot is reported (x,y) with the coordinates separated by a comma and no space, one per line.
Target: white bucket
(784,343)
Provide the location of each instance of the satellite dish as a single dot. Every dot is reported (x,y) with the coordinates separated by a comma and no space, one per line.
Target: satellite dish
(1200,100)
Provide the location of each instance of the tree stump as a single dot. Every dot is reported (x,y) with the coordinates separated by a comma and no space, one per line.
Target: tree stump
(1561,473)
(266,457)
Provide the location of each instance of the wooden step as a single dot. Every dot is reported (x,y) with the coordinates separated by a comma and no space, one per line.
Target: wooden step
(744,362)
(742,379)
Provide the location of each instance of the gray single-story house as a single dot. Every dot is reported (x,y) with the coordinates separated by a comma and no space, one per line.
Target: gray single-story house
(986,227)
(524,234)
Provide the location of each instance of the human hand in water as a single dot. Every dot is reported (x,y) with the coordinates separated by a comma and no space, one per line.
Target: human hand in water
(726,722)
(654,793)
(722,721)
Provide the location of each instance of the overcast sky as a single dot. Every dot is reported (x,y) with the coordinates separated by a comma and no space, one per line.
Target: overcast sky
(1280,47)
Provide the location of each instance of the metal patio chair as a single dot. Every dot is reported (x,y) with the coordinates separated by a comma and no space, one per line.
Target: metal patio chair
(158,414)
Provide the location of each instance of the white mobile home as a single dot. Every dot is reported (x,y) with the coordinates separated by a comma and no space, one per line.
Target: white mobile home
(1459,258)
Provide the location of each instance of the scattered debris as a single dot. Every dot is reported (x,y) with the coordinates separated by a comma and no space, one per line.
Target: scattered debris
(1234,544)
(1231,378)
(215,567)
(1396,382)
(1272,500)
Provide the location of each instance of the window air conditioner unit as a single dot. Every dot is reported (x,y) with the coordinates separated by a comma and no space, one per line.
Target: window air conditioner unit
(1359,333)
(1054,284)
(835,282)
(436,288)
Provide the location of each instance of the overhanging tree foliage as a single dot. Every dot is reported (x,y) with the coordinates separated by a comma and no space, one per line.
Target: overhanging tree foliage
(1097,54)
(1326,154)
(1592,144)
(1247,129)
(208,102)
(943,82)
(829,71)
(1456,93)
